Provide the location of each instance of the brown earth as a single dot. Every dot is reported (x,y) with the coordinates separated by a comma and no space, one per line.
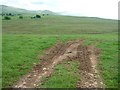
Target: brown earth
(71,50)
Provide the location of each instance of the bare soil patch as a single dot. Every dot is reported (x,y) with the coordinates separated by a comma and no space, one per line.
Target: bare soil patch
(71,50)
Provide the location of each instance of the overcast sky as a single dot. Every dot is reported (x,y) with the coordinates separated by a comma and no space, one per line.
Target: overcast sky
(91,8)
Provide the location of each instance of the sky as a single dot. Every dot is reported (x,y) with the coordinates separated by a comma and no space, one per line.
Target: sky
(91,8)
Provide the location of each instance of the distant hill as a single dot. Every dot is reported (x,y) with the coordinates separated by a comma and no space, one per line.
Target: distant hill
(45,12)
(8,9)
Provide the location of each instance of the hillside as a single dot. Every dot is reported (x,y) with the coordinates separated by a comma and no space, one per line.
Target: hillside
(60,25)
(8,9)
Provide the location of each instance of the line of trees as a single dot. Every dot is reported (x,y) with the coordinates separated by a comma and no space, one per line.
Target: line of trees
(8,16)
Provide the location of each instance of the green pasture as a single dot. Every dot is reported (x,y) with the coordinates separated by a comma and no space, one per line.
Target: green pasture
(24,40)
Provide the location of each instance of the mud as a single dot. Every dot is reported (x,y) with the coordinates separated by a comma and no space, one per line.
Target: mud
(89,73)
(71,50)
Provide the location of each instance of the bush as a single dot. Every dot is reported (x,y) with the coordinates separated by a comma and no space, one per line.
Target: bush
(38,16)
(10,14)
(7,18)
(21,17)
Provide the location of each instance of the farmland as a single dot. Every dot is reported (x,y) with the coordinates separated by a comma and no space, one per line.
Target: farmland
(25,40)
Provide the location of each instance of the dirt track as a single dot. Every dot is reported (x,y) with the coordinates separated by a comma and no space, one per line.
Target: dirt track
(72,50)
(89,73)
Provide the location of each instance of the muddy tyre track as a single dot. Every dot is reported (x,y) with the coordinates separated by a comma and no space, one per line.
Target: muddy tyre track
(71,50)
(52,57)
(89,73)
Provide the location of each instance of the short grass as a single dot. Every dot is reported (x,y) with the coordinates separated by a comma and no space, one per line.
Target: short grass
(58,25)
(24,40)
(65,75)
(21,51)
(109,62)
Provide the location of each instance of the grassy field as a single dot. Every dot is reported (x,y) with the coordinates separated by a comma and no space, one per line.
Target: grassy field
(58,25)
(25,40)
